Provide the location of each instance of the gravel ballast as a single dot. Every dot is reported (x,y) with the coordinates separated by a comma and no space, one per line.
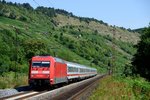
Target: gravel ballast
(7,92)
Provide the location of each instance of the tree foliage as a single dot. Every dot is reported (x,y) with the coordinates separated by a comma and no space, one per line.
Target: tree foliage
(141,59)
(64,12)
(47,11)
(34,47)
(27,6)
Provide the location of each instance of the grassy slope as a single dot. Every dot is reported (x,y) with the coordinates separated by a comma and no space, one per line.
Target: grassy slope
(112,88)
(68,37)
(122,35)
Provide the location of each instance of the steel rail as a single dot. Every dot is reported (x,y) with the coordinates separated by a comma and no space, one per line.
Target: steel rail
(73,91)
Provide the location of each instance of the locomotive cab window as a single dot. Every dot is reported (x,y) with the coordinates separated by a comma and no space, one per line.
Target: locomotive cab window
(41,64)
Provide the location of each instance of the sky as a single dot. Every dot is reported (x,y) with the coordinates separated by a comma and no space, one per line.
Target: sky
(123,13)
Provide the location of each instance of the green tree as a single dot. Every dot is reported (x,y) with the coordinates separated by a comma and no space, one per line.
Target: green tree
(27,6)
(34,47)
(141,59)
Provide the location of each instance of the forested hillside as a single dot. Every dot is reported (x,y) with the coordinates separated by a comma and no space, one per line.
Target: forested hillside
(25,32)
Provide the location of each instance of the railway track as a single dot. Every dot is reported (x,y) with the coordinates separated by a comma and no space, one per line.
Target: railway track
(75,91)
(82,92)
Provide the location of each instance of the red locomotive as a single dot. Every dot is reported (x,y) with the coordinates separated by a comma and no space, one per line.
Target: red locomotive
(50,70)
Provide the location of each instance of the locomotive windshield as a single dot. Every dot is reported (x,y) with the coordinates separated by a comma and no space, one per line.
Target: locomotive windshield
(41,64)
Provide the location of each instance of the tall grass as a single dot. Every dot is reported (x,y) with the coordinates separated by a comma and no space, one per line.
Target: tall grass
(12,80)
(111,88)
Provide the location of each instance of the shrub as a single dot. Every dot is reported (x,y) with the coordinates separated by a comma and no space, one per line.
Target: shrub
(12,15)
(10,80)
(22,18)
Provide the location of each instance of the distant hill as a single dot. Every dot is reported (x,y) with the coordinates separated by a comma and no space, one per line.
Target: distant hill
(41,31)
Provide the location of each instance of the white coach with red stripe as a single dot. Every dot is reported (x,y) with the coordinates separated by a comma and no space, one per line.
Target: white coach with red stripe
(77,71)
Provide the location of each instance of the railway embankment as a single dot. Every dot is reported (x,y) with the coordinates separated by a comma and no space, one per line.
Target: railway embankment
(77,90)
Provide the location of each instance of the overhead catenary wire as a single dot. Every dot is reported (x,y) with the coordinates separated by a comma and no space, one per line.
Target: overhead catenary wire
(39,4)
(36,2)
(50,3)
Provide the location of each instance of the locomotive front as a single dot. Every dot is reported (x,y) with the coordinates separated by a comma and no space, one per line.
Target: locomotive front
(39,72)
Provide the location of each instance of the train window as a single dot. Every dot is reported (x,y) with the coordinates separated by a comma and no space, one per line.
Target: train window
(72,69)
(81,70)
(45,64)
(69,69)
(75,69)
(41,64)
(36,64)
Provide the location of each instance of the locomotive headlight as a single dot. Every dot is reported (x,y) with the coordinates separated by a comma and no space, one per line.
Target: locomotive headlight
(34,72)
(45,72)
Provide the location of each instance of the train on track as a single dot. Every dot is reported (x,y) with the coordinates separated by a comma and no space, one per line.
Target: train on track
(48,70)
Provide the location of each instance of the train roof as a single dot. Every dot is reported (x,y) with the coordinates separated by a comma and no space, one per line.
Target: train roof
(59,60)
(67,62)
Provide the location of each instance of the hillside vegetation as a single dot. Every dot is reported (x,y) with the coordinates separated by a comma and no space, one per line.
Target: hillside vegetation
(25,32)
(119,88)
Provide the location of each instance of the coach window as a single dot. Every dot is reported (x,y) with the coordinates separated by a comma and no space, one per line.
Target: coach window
(80,70)
(69,69)
(75,69)
(83,70)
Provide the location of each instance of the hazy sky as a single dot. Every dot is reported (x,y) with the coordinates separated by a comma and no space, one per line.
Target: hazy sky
(123,13)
